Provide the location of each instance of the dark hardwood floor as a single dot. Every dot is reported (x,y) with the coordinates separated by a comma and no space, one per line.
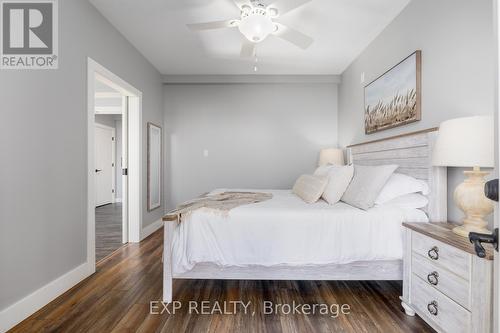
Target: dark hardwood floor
(108,230)
(117,299)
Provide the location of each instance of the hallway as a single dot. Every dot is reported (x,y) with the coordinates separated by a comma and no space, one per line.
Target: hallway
(108,229)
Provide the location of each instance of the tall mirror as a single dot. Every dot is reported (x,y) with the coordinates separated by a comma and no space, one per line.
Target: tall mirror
(154,166)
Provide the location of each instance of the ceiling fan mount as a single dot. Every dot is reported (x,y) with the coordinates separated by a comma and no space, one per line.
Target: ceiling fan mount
(257,22)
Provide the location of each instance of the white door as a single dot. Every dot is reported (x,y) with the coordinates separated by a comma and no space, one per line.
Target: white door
(104,141)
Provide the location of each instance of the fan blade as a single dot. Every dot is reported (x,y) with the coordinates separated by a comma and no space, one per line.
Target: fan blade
(247,49)
(241,3)
(293,36)
(211,25)
(284,6)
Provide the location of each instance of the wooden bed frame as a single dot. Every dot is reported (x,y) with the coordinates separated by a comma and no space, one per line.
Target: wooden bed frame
(412,152)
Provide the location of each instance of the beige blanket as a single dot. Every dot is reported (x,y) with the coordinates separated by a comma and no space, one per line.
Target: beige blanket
(220,202)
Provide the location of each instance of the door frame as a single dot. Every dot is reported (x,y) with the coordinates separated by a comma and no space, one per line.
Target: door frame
(113,159)
(496,261)
(134,181)
(124,165)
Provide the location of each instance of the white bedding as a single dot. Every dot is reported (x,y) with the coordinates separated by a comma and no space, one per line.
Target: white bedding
(287,231)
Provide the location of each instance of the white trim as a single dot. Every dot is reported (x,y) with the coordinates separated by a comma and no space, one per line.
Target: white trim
(124,165)
(108,95)
(135,168)
(25,307)
(496,261)
(90,165)
(151,228)
(108,110)
(102,74)
(250,79)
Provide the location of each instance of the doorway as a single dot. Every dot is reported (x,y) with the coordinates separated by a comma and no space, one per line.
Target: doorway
(109,146)
(114,163)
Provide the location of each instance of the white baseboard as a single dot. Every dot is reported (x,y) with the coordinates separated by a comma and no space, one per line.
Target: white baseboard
(145,232)
(118,200)
(22,309)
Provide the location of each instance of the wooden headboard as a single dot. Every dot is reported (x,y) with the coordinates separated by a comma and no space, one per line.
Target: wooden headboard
(413,153)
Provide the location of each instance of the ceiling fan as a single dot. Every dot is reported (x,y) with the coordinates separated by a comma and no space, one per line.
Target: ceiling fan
(257,22)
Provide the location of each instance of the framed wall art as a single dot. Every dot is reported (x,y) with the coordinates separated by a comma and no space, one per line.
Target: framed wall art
(394,98)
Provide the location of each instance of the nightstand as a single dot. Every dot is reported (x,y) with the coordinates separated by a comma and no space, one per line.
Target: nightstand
(444,282)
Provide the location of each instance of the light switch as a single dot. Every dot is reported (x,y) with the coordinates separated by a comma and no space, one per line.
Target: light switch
(363,77)
(205,152)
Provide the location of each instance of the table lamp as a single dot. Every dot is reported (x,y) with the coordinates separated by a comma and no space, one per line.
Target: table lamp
(468,142)
(331,156)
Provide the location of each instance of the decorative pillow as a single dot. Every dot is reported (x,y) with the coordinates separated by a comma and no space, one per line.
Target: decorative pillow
(339,178)
(310,188)
(323,170)
(366,185)
(398,185)
(407,201)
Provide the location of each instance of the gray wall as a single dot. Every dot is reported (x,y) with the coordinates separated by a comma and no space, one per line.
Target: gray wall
(257,136)
(43,143)
(456,39)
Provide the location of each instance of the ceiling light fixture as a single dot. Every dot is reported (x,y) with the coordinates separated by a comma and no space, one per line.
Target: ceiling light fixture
(256,25)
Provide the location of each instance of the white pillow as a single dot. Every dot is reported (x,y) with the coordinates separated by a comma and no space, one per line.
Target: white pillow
(408,201)
(366,185)
(310,188)
(339,178)
(398,185)
(323,170)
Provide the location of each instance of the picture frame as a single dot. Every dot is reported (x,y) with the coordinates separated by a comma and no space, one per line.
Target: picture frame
(394,98)
(154,186)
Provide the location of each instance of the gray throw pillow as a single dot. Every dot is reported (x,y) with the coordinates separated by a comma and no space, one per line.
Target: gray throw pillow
(366,185)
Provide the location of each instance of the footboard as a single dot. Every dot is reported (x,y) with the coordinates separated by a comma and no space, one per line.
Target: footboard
(169,227)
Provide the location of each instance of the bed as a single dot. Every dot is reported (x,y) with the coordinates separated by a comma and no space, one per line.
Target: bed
(286,239)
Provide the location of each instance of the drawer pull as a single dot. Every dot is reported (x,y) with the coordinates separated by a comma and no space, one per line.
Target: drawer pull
(432,307)
(433,253)
(433,278)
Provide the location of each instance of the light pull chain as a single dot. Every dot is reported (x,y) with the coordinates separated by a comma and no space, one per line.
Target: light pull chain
(255,67)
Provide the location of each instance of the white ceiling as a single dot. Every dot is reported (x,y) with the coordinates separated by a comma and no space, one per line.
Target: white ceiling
(342,29)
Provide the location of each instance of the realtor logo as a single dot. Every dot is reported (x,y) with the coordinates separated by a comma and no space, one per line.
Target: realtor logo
(29,36)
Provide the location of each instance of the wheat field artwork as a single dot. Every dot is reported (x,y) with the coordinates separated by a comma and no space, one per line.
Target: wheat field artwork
(393,99)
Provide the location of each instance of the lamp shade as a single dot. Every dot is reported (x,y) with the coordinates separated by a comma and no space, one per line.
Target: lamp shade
(465,142)
(331,156)
(256,27)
